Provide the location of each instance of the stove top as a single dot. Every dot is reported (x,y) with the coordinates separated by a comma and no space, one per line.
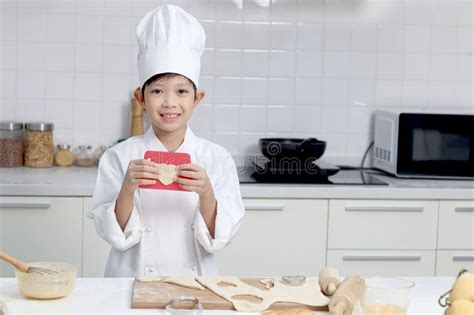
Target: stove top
(315,172)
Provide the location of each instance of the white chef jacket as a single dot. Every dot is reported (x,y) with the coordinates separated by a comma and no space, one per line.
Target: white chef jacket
(166,233)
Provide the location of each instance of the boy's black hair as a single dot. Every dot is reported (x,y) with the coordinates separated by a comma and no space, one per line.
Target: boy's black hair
(166,75)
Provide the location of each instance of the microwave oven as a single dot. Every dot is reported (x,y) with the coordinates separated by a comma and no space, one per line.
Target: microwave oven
(424,145)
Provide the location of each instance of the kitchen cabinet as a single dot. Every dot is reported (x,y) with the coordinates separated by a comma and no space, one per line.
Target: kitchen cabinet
(95,249)
(383,262)
(384,237)
(456,225)
(382,224)
(455,237)
(450,262)
(278,237)
(41,229)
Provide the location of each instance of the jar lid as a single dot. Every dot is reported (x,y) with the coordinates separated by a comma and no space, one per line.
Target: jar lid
(11,125)
(64,146)
(39,126)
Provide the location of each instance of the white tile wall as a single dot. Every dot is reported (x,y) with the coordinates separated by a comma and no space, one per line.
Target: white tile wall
(271,68)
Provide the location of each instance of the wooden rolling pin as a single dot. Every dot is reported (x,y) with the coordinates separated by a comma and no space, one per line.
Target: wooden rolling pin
(329,280)
(137,118)
(346,296)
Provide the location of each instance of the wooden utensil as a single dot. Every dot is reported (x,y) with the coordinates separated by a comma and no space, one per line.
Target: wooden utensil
(347,294)
(137,118)
(329,280)
(24,267)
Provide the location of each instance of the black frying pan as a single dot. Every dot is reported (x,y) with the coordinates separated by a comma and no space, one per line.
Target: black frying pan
(278,148)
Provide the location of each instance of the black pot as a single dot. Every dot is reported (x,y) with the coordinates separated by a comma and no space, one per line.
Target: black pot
(279,148)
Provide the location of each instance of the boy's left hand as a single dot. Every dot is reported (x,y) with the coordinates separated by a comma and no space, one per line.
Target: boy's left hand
(197,179)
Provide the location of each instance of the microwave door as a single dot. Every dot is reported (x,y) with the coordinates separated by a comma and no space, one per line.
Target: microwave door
(436,145)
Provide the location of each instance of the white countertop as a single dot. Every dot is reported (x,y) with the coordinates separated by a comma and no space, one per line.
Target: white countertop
(113,295)
(80,181)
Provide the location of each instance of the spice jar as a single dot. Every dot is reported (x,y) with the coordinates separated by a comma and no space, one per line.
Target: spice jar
(64,156)
(11,144)
(85,157)
(39,144)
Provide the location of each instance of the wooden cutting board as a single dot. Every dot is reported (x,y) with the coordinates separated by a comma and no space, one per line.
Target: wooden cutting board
(158,294)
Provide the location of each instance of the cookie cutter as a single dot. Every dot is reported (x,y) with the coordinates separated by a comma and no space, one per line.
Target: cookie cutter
(197,306)
(294,281)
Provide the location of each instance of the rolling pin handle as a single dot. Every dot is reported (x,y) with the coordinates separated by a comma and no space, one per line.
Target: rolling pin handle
(338,309)
(329,280)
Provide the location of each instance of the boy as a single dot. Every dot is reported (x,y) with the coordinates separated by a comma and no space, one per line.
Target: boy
(165,232)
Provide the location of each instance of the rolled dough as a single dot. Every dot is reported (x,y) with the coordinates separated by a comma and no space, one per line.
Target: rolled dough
(307,294)
(167,173)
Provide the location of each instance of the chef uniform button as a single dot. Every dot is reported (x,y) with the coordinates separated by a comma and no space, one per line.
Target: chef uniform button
(192,226)
(193,267)
(149,228)
(151,269)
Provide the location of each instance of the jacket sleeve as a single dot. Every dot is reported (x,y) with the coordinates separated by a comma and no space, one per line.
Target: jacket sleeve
(102,211)
(230,208)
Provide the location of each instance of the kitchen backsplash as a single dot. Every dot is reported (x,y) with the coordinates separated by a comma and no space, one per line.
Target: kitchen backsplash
(271,67)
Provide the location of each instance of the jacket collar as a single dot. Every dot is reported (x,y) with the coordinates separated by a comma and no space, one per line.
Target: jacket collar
(153,143)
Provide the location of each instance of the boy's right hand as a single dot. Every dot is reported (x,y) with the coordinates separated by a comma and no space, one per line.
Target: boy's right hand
(140,172)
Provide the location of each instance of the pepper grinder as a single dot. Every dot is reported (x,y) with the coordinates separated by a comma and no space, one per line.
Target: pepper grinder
(137,118)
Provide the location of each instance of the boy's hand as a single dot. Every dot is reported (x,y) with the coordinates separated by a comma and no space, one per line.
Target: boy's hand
(198,180)
(140,172)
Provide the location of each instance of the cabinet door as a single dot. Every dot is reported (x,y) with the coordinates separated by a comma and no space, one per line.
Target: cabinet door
(96,250)
(383,262)
(456,225)
(382,224)
(278,237)
(41,229)
(450,262)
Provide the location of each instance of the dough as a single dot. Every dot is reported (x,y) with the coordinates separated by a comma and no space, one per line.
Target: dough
(149,279)
(307,294)
(184,281)
(167,173)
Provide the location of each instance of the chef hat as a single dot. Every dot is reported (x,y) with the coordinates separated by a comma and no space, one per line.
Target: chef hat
(169,40)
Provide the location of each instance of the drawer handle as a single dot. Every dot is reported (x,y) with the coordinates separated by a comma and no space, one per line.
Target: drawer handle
(383,209)
(463,258)
(21,205)
(381,258)
(464,209)
(264,207)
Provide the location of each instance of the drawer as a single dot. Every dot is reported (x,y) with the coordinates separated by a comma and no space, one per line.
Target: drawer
(456,225)
(382,224)
(383,263)
(450,262)
(278,237)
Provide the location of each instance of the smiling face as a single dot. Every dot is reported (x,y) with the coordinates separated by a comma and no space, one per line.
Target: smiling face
(169,102)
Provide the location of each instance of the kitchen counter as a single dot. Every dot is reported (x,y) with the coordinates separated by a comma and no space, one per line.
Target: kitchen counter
(113,295)
(80,181)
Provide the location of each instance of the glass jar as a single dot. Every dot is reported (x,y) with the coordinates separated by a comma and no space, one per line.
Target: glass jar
(11,144)
(64,156)
(85,156)
(39,144)
(101,152)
